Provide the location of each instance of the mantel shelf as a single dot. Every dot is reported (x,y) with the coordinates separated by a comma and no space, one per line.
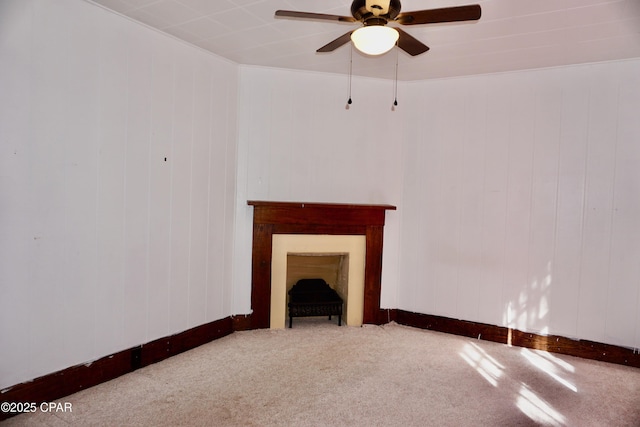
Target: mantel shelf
(302,205)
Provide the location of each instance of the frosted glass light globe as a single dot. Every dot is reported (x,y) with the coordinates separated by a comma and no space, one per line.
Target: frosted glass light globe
(374,39)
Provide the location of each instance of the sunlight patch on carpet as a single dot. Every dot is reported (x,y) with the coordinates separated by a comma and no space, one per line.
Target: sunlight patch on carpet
(536,408)
(489,368)
(551,366)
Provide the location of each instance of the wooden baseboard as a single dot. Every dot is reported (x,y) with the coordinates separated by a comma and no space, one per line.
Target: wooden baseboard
(387,315)
(551,343)
(241,322)
(76,378)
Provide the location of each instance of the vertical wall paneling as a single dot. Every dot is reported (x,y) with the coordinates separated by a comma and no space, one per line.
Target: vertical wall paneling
(180,192)
(624,289)
(444,229)
(222,190)
(108,163)
(471,195)
(160,166)
(281,104)
(568,259)
(136,201)
(301,145)
(241,295)
(81,152)
(494,202)
(600,174)
(47,188)
(517,306)
(552,246)
(216,164)
(16,237)
(544,189)
(199,185)
(411,161)
(230,108)
(112,82)
(421,180)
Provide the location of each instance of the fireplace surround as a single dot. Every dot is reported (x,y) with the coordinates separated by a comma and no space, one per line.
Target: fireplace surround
(271,218)
(285,272)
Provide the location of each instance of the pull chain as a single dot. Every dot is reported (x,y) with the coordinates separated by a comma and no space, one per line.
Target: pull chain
(395,84)
(349,102)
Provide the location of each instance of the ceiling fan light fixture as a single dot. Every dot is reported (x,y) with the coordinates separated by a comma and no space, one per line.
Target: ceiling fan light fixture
(374,39)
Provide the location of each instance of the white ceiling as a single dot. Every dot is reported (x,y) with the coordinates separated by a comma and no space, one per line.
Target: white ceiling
(511,35)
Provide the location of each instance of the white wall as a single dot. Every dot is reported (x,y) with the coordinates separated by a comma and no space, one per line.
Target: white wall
(522,198)
(297,142)
(103,244)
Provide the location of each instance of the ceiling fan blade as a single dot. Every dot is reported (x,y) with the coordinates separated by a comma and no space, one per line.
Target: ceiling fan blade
(310,15)
(333,45)
(446,14)
(410,44)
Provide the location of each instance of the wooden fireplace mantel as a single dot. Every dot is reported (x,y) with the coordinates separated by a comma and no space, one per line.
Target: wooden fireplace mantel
(315,218)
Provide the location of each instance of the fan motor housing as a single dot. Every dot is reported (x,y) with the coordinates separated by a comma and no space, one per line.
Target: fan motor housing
(360,12)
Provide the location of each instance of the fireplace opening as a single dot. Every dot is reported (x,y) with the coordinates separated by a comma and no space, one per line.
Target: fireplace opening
(333,268)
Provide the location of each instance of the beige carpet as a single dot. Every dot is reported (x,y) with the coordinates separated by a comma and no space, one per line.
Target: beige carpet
(318,374)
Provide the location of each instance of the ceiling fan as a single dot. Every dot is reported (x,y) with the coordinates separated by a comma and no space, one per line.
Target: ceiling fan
(375,37)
